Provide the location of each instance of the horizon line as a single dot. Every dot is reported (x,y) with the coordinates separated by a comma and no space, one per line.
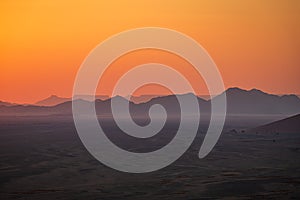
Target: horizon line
(153,95)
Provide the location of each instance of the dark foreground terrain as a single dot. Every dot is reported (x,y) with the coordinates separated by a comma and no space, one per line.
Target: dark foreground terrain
(43,158)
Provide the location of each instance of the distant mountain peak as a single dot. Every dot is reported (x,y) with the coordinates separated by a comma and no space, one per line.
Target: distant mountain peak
(119,98)
(255,101)
(290,96)
(187,94)
(256,90)
(4,103)
(236,90)
(52,100)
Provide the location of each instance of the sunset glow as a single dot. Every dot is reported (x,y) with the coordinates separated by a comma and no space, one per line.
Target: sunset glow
(255,44)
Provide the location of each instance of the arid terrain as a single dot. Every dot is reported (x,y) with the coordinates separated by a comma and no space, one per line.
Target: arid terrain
(43,158)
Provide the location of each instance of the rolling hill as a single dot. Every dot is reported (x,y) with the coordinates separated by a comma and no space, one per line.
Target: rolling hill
(287,125)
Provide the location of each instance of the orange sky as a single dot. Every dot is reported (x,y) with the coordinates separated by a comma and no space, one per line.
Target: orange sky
(255,44)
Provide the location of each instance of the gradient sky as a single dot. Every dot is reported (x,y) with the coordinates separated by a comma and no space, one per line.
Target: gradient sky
(255,44)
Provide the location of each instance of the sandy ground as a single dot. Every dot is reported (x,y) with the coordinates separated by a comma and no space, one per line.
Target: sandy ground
(43,158)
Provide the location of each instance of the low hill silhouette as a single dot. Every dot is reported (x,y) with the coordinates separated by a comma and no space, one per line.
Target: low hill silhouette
(287,125)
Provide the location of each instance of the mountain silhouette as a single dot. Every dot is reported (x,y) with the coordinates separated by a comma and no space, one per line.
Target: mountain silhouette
(3,103)
(52,101)
(142,98)
(239,101)
(254,101)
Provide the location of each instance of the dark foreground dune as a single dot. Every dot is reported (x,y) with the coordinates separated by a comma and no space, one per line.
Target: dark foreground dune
(43,158)
(287,125)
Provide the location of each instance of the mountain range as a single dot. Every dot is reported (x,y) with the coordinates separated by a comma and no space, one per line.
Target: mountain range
(239,101)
